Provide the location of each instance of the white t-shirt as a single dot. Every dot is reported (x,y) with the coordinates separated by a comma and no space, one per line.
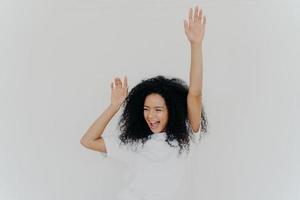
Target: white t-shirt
(157,170)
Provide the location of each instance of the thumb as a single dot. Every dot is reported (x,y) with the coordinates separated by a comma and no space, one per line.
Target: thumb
(111,86)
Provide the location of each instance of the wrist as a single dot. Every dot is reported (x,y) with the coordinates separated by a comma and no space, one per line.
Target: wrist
(114,107)
(196,45)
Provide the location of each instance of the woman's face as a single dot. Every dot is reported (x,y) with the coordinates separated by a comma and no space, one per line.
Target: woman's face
(155,113)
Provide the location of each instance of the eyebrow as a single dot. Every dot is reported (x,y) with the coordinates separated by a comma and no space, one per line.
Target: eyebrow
(155,106)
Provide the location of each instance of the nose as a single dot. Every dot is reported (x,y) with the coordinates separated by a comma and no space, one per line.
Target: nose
(151,114)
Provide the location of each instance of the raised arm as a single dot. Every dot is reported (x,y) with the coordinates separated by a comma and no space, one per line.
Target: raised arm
(194,30)
(92,138)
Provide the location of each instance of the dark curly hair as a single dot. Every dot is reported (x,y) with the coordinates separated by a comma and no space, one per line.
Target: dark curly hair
(174,91)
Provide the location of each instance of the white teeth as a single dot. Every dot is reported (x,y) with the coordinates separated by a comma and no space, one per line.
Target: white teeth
(155,124)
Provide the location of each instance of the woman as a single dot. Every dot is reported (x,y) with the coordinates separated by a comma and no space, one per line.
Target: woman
(162,118)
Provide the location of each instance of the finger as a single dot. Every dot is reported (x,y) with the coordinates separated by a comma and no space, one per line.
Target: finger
(125,82)
(126,92)
(118,82)
(204,20)
(190,16)
(196,14)
(186,26)
(200,16)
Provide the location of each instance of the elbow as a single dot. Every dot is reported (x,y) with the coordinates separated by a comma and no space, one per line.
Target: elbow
(84,142)
(196,128)
(195,92)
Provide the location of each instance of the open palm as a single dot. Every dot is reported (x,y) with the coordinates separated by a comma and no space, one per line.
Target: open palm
(119,91)
(195,26)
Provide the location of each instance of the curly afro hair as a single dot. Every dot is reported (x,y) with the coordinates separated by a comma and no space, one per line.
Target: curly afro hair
(133,126)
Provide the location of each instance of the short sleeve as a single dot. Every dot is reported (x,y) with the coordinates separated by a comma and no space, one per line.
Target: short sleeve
(115,150)
(196,137)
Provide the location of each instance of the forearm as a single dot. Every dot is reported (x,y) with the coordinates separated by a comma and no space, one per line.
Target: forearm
(196,70)
(97,128)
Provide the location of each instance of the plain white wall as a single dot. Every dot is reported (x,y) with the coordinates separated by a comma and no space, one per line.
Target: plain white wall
(59,57)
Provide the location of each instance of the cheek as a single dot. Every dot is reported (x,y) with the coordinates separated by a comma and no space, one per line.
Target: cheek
(164,117)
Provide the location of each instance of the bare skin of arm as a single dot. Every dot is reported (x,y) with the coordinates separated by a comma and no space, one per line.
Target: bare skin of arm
(194,30)
(92,139)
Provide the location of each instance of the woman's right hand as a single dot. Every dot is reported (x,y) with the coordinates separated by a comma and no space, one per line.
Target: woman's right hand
(119,91)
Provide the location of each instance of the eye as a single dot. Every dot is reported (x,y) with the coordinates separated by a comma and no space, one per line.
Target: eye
(158,110)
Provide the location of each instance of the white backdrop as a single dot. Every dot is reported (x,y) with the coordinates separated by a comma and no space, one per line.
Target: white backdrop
(58,58)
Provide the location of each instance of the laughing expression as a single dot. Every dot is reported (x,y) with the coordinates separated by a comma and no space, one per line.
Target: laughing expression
(155,113)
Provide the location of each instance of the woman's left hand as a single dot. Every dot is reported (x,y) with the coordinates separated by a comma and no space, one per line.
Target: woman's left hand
(195,27)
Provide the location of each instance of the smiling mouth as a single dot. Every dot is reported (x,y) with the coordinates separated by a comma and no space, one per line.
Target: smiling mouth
(154,125)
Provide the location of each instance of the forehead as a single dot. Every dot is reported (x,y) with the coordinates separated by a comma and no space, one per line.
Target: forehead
(154,100)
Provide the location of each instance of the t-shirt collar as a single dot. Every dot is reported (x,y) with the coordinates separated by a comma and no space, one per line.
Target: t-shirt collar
(160,135)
